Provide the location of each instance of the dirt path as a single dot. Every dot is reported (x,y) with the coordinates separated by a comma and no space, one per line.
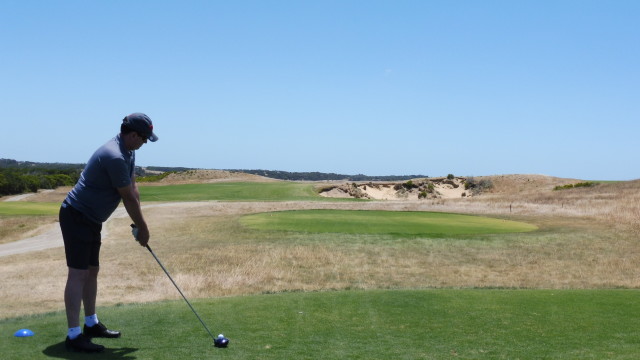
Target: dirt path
(23,197)
(50,237)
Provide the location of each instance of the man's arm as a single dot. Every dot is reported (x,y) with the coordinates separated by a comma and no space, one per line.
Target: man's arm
(131,200)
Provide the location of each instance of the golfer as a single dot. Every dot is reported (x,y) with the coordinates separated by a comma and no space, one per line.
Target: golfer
(107,178)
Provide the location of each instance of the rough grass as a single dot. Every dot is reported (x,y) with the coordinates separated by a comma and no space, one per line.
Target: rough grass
(213,255)
(616,204)
(587,240)
(14,228)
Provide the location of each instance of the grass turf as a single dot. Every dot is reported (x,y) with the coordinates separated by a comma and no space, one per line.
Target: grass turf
(236,191)
(20,208)
(398,223)
(400,324)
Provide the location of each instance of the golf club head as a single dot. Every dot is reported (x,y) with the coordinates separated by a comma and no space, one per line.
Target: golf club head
(221,342)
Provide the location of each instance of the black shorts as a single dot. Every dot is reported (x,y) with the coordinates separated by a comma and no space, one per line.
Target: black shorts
(81,237)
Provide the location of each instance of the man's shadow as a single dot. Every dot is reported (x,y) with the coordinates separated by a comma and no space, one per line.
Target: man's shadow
(60,351)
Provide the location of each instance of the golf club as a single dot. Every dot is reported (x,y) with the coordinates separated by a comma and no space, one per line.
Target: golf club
(219,341)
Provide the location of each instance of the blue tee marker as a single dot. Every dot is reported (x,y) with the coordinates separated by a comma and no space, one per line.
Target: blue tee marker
(23,333)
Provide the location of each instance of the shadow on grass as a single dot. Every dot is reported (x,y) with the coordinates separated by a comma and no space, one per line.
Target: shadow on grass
(60,351)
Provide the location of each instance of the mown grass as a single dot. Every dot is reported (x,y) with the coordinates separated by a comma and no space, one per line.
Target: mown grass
(236,191)
(398,223)
(21,208)
(401,324)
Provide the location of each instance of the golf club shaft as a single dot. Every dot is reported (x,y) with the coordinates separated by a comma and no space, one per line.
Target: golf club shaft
(180,291)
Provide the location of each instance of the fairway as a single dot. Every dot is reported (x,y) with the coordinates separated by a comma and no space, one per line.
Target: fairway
(400,324)
(236,191)
(15,208)
(426,224)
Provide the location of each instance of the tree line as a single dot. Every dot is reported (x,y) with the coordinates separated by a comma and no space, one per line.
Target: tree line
(19,181)
(18,177)
(319,176)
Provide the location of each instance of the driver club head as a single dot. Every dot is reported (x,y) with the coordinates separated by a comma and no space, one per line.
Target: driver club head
(221,341)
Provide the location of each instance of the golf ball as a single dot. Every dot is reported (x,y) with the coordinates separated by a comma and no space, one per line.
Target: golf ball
(220,336)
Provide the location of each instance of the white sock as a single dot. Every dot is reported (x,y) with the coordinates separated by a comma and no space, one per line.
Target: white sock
(91,320)
(74,332)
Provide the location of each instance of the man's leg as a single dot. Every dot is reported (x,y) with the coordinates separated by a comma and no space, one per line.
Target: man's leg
(90,291)
(92,326)
(75,233)
(73,294)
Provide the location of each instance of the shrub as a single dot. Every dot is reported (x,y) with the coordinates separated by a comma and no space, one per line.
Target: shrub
(571,186)
(409,185)
(477,187)
(450,176)
(154,178)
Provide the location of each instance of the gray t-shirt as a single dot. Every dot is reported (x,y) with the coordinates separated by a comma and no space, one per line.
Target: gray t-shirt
(96,193)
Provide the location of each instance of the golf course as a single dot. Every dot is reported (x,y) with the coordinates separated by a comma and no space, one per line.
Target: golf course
(518,271)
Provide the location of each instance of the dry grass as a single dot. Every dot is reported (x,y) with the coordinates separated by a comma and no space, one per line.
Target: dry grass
(210,176)
(588,239)
(20,227)
(616,204)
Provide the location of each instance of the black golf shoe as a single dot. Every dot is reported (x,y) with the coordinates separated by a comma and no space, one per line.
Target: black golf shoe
(99,330)
(82,344)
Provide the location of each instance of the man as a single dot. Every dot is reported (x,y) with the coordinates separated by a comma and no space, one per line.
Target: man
(107,178)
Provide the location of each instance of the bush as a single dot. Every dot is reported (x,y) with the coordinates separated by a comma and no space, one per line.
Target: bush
(154,178)
(477,187)
(571,186)
(450,176)
(409,185)
(23,180)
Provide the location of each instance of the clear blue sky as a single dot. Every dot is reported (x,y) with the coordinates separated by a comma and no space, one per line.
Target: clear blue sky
(373,87)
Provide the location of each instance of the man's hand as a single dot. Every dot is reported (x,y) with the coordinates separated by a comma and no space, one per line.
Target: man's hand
(131,200)
(143,236)
(135,231)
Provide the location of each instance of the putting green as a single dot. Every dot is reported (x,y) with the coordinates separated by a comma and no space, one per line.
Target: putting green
(399,223)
